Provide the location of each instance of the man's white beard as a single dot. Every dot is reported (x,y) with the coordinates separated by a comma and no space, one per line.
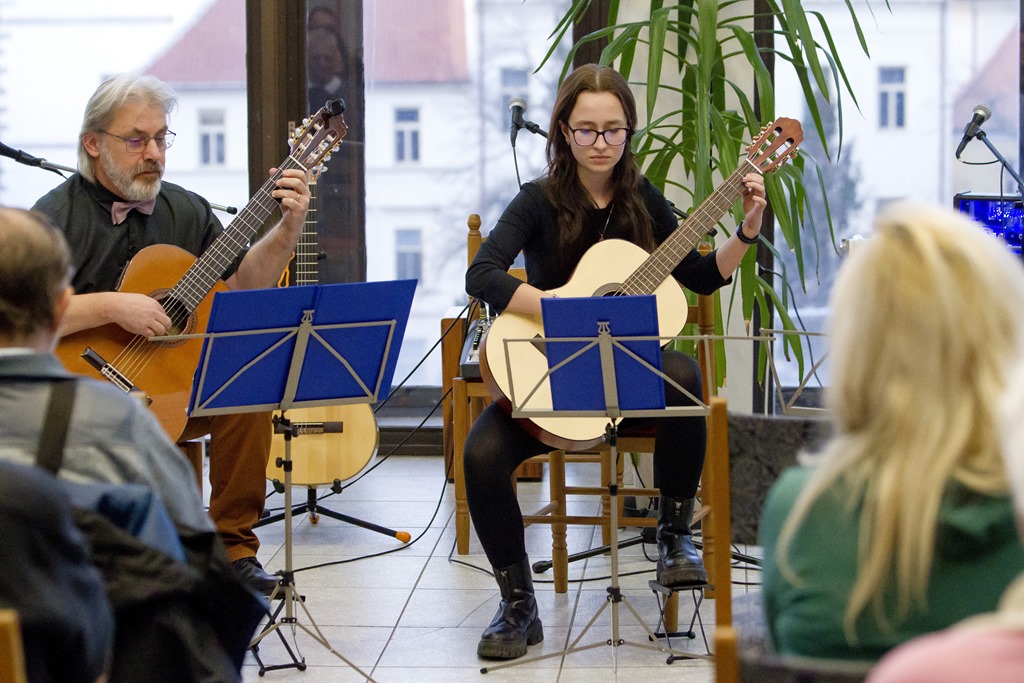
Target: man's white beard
(126,182)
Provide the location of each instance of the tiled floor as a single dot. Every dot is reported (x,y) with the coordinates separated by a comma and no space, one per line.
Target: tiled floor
(414,614)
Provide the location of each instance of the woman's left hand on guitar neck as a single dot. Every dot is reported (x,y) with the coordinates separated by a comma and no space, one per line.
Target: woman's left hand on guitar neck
(732,251)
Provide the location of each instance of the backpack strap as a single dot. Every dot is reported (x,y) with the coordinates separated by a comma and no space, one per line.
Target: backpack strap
(50,451)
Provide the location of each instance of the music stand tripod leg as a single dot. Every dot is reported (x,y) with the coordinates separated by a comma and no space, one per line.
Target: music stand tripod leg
(287,582)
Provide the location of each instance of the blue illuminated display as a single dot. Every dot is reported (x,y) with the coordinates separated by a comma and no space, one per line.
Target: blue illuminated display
(1002,216)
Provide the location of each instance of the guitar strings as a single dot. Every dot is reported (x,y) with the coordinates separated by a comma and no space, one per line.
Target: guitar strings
(649,276)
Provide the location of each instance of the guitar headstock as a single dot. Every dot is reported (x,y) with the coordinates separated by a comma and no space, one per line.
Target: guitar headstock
(318,136)
(776,143)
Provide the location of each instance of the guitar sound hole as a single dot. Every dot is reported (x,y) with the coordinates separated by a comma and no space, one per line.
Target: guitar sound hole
(611,289)
(183,321)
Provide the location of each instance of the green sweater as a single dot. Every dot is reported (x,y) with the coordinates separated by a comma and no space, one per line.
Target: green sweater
(978,554)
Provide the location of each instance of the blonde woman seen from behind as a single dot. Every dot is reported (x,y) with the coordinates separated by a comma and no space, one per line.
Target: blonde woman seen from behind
(902,524)
(995,641)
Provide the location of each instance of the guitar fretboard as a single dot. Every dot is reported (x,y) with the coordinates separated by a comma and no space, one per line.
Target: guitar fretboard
(199,280)
(307,251)
(671,252)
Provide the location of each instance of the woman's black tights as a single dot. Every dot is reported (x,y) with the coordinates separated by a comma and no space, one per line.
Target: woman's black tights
(496,446)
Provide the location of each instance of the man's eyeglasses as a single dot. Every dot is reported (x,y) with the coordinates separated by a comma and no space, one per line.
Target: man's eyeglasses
(137,144)
(585,137)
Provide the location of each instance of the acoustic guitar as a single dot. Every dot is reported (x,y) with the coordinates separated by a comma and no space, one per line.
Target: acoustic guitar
(320,459)
(184,285)
(616,267)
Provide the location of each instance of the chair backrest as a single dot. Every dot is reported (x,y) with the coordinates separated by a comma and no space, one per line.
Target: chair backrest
(12,651)
(475,238)
(768,668)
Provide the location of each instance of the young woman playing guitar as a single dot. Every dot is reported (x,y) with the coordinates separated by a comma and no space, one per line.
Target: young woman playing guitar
(593,191)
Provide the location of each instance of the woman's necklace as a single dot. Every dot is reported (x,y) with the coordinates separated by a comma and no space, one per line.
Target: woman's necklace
(604,229)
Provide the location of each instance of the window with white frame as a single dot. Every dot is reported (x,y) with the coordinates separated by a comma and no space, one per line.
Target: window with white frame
(212,135)
(407,134)
(409,254)
(892,97)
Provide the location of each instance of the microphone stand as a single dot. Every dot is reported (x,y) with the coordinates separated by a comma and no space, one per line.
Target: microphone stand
(1002,160)
(533,128)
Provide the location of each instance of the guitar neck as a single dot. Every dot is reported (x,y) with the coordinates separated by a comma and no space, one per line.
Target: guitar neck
(307,251)
(681,242)
(199,280)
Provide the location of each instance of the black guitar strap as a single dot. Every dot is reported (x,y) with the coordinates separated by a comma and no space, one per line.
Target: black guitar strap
(50,451)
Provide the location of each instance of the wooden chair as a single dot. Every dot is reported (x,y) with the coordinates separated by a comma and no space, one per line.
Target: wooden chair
(469,397)
(719,565)
(12,650)
(754,449)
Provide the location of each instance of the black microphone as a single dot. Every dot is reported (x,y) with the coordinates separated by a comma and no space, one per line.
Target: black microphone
(19,156)
(517,106)
(980,115)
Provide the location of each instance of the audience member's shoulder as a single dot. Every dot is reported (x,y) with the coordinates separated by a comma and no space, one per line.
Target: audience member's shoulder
(995,656)
(792,480)
(105,399)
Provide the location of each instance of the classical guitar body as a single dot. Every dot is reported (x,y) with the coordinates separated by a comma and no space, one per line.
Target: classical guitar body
(601,271)
(320,459)
(162,371)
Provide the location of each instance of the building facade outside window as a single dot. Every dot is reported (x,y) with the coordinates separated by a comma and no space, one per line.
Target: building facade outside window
(514,83)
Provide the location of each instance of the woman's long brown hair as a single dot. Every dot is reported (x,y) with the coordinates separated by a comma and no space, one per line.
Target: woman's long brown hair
(562,184)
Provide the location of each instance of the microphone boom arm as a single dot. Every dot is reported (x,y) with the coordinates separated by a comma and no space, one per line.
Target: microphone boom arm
(1002,160)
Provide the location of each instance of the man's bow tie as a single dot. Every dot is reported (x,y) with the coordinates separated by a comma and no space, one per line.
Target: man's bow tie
(119,210)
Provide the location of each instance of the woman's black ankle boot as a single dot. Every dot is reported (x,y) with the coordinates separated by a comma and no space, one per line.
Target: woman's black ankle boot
(679,563)
(516,624)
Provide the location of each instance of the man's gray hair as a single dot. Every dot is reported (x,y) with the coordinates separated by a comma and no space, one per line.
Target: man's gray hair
(113,94)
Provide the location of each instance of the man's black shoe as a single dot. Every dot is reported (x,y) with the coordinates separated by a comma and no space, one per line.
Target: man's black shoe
(251,572)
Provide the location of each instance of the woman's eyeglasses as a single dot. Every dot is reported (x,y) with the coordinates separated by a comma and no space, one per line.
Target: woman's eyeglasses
(585,137)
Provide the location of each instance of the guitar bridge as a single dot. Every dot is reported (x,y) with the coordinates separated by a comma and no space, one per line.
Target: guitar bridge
(113,374)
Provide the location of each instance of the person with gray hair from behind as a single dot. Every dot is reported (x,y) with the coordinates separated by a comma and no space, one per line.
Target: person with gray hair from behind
(48,578)
(988,647)
(117,205)
(112,437)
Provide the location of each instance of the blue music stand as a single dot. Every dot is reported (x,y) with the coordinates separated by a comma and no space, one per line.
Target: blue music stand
(308,346)
(577,376)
